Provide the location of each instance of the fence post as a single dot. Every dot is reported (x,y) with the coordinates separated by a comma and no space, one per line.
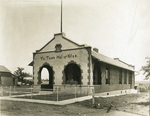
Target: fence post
(31,91)
(1,91)
(93,98)
(57,93)
(75,92)
(10,91)
(14,88)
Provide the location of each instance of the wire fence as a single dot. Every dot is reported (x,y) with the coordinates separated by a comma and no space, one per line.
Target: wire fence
(14,90)
(55,94)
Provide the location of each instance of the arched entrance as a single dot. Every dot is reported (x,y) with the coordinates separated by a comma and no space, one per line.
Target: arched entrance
(72,74)
(97,74)
(46,76)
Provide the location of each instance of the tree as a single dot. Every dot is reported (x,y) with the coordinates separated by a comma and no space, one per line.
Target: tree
(146,69)
(20,74)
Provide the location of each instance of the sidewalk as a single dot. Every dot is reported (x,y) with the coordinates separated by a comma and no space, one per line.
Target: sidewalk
(64,102)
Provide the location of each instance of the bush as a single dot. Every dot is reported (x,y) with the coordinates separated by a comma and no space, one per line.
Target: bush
(143,89)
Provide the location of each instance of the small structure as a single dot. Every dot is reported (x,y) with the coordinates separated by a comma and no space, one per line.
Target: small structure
(28,80)
(6,77)
(72,65)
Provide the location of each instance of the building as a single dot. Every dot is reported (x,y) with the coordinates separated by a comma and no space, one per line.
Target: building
(72,65)
(6,77)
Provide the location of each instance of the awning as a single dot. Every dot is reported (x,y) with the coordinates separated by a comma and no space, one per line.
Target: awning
(31,64)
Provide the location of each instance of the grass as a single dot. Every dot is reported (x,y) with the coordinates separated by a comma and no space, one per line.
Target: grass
(18,90)
(13,93)
(123,103)
(53,97)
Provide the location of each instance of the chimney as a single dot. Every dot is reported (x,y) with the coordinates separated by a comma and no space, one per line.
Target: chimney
(95,49)
(116,59)
(58,34)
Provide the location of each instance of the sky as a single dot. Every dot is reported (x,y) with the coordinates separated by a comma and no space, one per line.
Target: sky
(118,28)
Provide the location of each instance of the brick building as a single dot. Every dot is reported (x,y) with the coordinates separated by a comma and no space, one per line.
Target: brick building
(70,64)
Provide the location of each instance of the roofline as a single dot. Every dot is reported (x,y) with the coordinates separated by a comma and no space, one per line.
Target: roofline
(45,45)
(114,64)
(63,36)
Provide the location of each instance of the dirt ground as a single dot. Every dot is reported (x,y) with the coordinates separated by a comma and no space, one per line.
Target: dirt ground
(133,103)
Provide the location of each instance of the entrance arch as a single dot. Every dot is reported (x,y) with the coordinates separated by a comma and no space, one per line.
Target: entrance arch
(47,83)
(72,74)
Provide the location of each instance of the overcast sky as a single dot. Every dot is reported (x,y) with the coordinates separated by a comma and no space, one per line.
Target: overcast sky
(118,28)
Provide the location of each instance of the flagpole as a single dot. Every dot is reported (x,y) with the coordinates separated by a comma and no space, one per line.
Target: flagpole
(61,18)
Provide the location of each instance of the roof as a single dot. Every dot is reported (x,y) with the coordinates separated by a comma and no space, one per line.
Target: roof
(28,78)
(4,69)
(111,61)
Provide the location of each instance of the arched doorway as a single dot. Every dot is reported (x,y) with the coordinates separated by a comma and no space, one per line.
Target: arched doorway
(46,77)
(72,74)
(97,74)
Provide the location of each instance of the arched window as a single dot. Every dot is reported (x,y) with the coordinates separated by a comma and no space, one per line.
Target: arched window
(44,76)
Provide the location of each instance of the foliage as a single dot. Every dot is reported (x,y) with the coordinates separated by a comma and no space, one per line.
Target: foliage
(71,82)
(20,74)
(146,69)
(28,82)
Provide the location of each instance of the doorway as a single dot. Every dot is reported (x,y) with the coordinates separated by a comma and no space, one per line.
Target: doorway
(47,78)
(72,74)
(97,74)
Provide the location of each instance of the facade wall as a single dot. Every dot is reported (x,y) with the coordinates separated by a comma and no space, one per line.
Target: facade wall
(59,60)
(6,81)
(114,79)
(114,75)
(106,88)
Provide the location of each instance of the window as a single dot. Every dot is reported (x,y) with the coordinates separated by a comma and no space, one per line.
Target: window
(107,76)
(120,76)
(125,77)
(130,77)
(0,80)
(58,47)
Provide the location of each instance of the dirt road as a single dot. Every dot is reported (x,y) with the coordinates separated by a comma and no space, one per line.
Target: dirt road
(133,104)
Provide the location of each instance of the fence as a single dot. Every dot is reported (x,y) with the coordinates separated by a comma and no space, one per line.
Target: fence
(46,94)
(15,90)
